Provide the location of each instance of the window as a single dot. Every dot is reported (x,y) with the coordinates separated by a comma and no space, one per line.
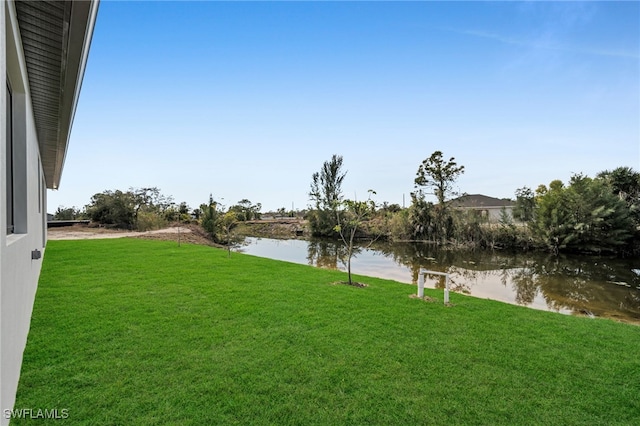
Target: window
(9,162)
(43,202)
(16,152)
(39,187)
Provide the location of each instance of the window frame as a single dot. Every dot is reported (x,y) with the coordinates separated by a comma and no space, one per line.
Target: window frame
(10,162)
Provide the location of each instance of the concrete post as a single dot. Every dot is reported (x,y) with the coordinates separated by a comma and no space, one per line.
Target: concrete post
(446,290)
(422,279)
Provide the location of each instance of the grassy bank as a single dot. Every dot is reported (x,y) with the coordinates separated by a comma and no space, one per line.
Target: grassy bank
(144,332)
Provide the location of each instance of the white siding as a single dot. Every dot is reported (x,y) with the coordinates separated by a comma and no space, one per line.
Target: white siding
(18,272)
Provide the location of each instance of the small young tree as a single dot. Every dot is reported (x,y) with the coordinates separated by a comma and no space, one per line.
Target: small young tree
(349,221)
(228,221)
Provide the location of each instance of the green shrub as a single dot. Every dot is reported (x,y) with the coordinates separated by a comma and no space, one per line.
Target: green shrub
(148,221)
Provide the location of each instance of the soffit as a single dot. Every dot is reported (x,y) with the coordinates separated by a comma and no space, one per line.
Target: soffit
(56,36)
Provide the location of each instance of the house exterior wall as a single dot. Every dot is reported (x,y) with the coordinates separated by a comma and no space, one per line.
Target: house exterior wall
(495,213)
(18,271)
(489,208)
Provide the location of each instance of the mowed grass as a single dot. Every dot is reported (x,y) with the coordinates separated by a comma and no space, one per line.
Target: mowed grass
(134,332)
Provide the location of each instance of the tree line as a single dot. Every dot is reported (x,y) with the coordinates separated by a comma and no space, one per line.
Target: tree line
(588,215)
(591,215)
(144,209)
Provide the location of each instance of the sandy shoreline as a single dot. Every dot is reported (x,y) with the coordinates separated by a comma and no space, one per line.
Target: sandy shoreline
(84,233)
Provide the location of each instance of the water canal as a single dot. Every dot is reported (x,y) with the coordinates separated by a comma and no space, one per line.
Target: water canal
(579,285)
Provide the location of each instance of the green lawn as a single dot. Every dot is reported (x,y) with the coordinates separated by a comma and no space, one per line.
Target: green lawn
(134,332)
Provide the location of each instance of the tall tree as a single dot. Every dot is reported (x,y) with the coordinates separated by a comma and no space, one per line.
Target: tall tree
(440,176)
(113,208)
(326,185)
(624,182)
(435,173)
(525,204)
(326,193)
(149,200)
(245,210)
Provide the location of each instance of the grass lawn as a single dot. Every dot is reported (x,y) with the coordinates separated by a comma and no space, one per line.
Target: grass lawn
(134,332)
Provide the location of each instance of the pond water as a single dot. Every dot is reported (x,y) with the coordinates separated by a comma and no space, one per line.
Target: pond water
(580,285)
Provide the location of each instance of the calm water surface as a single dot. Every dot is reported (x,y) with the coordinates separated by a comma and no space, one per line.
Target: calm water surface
(598,286)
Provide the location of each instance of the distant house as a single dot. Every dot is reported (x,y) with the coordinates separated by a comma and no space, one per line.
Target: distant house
(488,207)
(44,47)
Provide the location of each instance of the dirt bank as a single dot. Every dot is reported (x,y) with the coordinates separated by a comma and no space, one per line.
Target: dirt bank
(273,228)
(186,233)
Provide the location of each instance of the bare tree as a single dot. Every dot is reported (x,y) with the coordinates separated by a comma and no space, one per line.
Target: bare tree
(350,220)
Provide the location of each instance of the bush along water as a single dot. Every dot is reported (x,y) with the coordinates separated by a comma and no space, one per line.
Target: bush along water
(584,216)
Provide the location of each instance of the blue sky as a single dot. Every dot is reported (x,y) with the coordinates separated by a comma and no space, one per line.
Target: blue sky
(247,100)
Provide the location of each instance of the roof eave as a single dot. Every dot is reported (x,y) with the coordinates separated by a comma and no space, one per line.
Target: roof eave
(83,18)
(67,39)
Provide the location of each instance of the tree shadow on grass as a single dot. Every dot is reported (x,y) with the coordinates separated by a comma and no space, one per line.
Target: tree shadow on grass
(352,284)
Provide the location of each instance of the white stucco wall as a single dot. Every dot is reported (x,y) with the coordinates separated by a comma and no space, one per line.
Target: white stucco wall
(495,213)
(18,272)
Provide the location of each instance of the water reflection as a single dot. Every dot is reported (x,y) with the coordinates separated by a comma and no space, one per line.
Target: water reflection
(607,287)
